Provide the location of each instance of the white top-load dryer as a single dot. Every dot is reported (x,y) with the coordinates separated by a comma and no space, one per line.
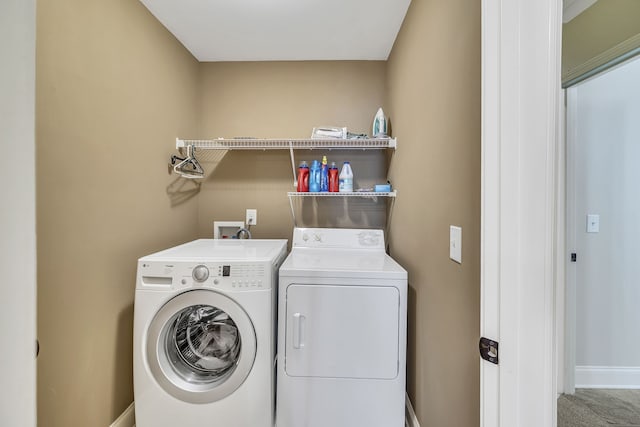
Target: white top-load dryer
(204,334)
(342,321)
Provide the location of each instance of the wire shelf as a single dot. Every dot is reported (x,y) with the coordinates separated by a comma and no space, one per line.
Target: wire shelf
(343,194)
(284,144)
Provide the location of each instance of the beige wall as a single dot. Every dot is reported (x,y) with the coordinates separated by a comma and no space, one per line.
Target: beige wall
(434,107)
(113,91)
(607,25)
(286,100)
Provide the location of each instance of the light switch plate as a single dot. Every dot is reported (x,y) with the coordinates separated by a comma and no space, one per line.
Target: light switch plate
(593,223)
(455,243)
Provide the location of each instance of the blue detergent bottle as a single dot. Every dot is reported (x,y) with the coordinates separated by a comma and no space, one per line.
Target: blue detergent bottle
(315,173)
(324,175)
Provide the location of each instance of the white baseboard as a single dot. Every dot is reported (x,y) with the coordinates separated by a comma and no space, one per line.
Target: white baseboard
(126,419)
(607,377)
(409,415)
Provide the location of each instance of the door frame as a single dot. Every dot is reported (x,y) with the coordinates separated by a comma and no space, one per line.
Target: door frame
(521,43)
(565,338)
(573,226)
(570,233)
(18,214)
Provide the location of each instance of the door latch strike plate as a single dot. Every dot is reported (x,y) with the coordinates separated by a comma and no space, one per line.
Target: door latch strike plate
(489,350)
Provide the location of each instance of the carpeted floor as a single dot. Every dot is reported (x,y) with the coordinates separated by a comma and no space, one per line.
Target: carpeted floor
(599,408)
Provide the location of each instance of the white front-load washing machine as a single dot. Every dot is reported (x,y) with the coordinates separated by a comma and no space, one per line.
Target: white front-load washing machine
(342,325)
(204,334)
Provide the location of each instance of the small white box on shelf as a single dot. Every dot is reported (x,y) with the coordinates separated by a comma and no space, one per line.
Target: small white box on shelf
(327,132)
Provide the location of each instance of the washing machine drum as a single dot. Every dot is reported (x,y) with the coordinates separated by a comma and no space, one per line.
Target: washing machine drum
(201,346)
(207,341)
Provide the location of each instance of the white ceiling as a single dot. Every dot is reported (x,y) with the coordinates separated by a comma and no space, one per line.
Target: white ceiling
(283,30)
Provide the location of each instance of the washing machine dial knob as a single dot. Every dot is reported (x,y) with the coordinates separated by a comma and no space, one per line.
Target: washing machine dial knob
(200,273)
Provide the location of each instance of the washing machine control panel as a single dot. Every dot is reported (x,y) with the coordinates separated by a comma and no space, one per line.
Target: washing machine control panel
(227,276)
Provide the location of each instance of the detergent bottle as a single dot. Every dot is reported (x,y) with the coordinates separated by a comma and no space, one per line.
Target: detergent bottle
(333,178)
(303,177)
(314,176)
(324,175)
(346,178)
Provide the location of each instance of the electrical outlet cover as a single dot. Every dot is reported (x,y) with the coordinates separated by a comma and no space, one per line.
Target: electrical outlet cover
(252,217)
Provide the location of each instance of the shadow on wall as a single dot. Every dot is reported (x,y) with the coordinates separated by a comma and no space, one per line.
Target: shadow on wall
(261,180)
(181,190)
(365,212)
(123,359)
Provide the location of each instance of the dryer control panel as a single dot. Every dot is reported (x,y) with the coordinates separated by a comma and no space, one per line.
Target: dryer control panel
(338,238)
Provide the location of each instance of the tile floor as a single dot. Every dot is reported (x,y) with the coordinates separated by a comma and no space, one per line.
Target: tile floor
(600,408)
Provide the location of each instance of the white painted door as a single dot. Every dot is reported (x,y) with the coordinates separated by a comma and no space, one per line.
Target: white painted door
(520,89)
(17,214)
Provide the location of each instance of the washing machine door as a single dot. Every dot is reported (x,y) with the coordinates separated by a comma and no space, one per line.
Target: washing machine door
(201,346)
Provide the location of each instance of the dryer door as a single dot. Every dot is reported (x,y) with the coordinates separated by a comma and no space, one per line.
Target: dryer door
(201,346)
(342,331)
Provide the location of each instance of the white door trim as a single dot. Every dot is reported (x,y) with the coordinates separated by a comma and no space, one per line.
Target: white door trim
(490,209)
(570,284)
(520,89)
(18,213)
(561,244)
